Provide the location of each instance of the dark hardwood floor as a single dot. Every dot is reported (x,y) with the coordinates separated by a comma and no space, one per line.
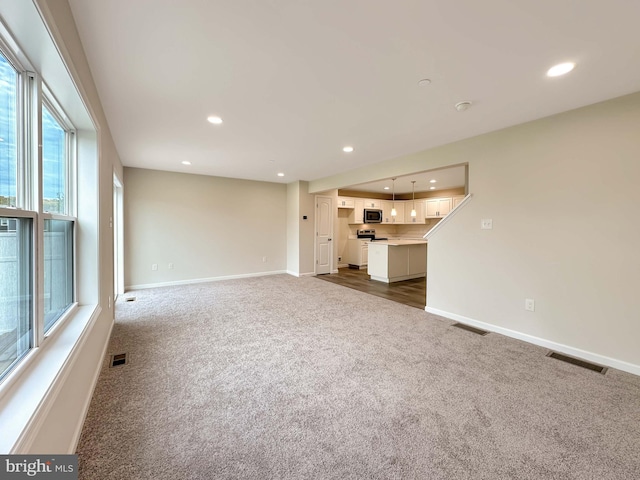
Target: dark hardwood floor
(410,292)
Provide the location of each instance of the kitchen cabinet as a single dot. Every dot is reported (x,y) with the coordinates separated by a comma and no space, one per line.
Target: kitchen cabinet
(419,218)
(437,207)
(356,216)
(346,202)
(455,201)
(397,260)
(386,212)
(387,205)
(372,203)
(358,252)
(401,208)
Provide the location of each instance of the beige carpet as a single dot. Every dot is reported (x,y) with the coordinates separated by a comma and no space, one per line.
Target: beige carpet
(295,378)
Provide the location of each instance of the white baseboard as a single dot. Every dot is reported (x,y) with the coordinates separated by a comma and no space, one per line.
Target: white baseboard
(295,274)
(202,280)
(541,342)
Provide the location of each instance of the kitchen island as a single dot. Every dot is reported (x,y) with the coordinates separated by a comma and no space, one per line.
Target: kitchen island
(397,260)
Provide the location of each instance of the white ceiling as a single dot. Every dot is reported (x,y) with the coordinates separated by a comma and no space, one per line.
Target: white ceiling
(295,81)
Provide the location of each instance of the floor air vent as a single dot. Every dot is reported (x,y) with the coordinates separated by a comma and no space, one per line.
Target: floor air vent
(578,362)
(130,299)
(470,329)
(117,360)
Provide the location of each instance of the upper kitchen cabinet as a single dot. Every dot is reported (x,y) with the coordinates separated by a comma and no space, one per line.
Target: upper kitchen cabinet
(386,212)
(346,202)
(437,207)
(357,215)
(372,203)
(420,215)
(456,200)
(399,218)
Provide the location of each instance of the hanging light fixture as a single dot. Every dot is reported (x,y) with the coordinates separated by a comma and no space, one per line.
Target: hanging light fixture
(413,210)
(393,191)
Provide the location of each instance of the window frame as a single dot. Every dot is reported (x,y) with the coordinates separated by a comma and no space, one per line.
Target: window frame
(47,99)
(32,95)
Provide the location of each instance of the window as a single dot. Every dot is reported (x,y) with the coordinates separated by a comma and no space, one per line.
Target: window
(26,182)
(16,290)
(54,164)
(58,269)
(57,144)
(8,132)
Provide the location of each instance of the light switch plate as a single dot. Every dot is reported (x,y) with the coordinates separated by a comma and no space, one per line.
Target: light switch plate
(486,224)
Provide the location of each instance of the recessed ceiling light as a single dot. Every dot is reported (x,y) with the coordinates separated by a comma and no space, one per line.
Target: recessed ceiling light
(462,106)
(386,188)
(215,120)
(432,188)
(185,162)
(281,174)
(432,181)
(347,149)
(424,82)
(560,69)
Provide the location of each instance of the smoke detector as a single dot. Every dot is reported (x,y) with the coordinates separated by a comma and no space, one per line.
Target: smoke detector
(462,106)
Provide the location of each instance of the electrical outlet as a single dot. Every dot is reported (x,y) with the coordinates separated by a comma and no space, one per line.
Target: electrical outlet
(486,224)
(154,266)
(529,304)
(339,259)
(171,266)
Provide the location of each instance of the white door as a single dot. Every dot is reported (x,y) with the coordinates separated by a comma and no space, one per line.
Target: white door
(324,232)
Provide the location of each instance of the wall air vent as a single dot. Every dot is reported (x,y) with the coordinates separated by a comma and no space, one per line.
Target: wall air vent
(117,360)
(578,362)
(470,329)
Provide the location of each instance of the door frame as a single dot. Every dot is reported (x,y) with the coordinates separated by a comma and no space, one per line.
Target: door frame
(118,237)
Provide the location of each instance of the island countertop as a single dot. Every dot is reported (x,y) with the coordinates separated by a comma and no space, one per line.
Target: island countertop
(397,243)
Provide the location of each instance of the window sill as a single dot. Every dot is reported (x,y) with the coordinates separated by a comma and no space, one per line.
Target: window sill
(27,393)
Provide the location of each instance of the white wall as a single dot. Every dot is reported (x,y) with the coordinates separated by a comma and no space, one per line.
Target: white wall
(563,195)
(307,230)
(293,228)
(207,227)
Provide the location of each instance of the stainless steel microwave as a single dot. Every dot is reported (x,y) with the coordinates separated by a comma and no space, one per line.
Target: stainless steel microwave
(372,215)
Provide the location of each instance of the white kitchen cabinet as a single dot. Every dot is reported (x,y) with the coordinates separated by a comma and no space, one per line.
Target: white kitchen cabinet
(372,203)
(437,207)
(358,252)
(395,261)
(356,216)
(455,201)
(346,202)
(419,218)
(386,211)
(387,205)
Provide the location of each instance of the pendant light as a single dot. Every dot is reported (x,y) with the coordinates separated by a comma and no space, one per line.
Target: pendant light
(413,210)
(393,201)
